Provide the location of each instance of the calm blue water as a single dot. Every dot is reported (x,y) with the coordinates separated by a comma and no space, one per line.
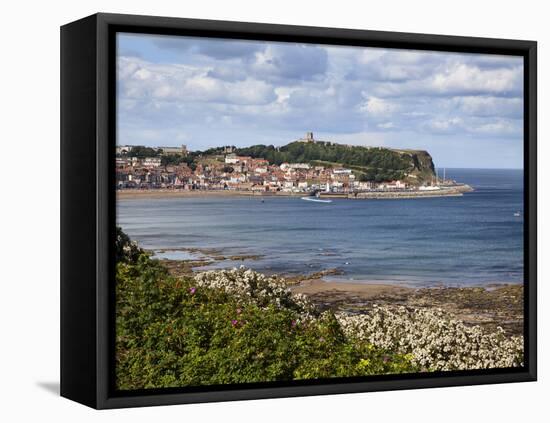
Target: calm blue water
(470,240)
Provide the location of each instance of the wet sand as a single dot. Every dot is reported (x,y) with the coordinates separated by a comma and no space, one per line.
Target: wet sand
(363,289)
(168,193)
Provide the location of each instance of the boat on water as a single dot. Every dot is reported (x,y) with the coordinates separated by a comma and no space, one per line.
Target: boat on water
(316,200)
(517,214)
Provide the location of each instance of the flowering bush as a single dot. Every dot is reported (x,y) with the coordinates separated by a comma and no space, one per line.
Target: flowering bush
(435,340)
(228,327)
(257,288)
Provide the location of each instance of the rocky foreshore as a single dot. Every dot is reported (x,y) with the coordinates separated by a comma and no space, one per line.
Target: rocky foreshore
(489,307)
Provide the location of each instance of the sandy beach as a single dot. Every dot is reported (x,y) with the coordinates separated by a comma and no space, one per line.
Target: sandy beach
(170,193)
(362,289)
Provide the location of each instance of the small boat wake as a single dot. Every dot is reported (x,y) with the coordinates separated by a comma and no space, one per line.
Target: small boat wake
(316,200)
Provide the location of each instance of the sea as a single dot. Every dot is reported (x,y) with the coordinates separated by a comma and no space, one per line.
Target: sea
(472,240)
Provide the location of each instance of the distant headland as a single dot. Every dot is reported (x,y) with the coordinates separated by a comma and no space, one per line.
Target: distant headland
(303,167)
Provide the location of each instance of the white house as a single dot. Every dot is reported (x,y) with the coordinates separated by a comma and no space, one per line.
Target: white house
(231,159)
(151,161)
(123,149)
(341,171)
(303,166)
(394,185)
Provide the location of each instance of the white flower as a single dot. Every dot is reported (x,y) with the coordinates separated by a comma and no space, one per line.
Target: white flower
(435,340)
(250,286)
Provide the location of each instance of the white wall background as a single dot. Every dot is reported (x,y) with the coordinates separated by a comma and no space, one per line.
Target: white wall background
(29,137)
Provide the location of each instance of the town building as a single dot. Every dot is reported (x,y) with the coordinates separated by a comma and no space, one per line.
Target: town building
(295,166)
(341,171)
(231,159)
(233,172)
(123,149)
(151,161)
(182,150)
(308,138)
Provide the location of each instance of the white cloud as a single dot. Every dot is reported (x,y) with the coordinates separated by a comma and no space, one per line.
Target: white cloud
(378,107)
(490,106)
(499,126)
(140,79)
(440,74)
(369,55)
(474,126)
(466,78)
(364,138)
(209,47)
(444,124)
(288,63)
(394,65)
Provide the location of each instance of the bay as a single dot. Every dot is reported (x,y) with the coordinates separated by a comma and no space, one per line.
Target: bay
(475,239)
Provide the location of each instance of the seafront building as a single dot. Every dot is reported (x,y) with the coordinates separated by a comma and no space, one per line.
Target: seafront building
(242,173)
(226,170)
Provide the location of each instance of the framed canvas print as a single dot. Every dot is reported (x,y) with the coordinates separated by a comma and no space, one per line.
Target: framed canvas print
(255,211)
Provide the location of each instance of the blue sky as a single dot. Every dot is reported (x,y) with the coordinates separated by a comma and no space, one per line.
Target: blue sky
(465,109)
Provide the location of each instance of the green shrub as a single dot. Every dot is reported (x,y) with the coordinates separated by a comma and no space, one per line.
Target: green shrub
(170,332)
(126,250)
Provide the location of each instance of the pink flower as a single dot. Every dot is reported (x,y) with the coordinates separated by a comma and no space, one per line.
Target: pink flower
(192,290)
(239,311)
(293,323)
(234,322)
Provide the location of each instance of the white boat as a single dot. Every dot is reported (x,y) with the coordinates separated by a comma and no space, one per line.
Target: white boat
(517,214)
(316,200)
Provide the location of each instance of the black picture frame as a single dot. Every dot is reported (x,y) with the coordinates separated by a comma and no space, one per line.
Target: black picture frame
(88,207)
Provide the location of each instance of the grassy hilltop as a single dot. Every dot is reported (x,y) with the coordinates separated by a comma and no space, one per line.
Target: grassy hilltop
(368,163)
